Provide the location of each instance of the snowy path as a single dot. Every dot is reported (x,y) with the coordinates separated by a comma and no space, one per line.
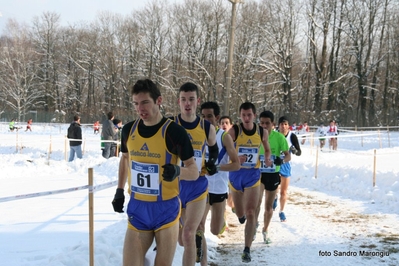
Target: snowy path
(332,212)
(316,224)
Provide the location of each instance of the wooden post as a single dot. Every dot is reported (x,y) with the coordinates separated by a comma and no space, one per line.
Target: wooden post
(48,154)
(50,151)
(91,217)
(389,138)
(375,166)
(317,162)
(312,140)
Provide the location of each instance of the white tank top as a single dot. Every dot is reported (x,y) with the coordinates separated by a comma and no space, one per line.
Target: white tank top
(218,183)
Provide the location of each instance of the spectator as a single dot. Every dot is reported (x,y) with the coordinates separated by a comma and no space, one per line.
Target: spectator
(304,129)
(108,133)
(332,132)
(75,136)
(12,125)
(321,132)
(294,128)
(29,125)
(117,137)
(96,127)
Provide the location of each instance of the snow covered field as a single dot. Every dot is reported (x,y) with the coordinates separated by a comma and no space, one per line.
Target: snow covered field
(336,218)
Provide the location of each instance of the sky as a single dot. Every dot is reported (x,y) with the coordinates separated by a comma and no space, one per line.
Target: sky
(338,212)
(71,11)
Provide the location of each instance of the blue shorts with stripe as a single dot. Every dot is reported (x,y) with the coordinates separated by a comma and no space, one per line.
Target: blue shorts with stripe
(244,178)
(285,170)
(191,191)
(153,216)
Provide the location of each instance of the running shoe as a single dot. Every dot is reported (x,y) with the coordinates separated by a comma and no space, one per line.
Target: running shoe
(266,238)
(223,228)
(242,219)
(282,217)
(198,242)
(246,256)
(275,204)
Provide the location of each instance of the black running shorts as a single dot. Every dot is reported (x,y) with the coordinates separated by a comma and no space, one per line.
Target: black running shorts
(270,180)
(216,198)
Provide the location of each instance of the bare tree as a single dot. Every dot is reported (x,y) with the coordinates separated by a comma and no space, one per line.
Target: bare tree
(363,26)
(280,36)
(19,86)
(45,36)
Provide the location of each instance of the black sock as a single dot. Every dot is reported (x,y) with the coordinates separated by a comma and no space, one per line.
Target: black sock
(246,249)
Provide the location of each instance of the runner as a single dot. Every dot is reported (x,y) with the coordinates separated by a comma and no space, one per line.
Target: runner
(244,183)
(218,183)
(193,195)
(270,175)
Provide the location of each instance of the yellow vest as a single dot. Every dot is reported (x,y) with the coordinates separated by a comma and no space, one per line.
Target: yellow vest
(146,157)
(197,137)
(249,146)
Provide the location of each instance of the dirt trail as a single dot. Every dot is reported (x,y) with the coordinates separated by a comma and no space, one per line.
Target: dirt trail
(319,229)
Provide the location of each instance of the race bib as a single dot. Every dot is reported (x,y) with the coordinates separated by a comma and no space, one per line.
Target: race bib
(198,159)
(145,178)
(263,168)
(252,156)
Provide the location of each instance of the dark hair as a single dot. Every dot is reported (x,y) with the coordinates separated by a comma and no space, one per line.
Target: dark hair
(116,121)
(267,114)
(211,105)
(282,119)
(226,117)
(76,118)
(247,106)
(188,87)
(146,86)
(110,115)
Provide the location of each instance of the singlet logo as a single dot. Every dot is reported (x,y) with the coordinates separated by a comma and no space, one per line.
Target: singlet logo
(144,147)
(249,142)
(194,142)
(145,152)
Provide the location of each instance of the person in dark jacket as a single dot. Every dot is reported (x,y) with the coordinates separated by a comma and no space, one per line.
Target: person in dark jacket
(114,146)
(75,136)
(108,133)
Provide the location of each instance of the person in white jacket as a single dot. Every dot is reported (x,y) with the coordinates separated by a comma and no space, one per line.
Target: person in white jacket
(321,134)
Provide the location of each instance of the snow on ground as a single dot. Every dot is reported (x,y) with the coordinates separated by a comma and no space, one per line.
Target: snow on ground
(336,218)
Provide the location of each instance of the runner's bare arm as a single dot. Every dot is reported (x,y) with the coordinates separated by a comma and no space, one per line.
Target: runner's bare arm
(234,164)
(123,170)
(190,170)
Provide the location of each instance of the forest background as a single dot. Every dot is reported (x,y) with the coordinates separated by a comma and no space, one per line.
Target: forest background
(313,60)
